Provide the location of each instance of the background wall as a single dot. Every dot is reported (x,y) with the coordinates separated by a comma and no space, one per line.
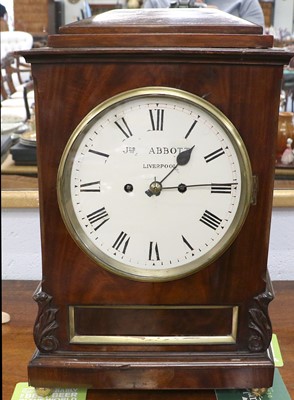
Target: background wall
(284,15)
(21,246)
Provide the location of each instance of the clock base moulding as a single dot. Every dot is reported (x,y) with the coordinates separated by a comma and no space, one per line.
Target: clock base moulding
(151,370)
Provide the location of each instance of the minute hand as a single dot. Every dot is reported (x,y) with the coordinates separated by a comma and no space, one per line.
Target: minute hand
(217,186)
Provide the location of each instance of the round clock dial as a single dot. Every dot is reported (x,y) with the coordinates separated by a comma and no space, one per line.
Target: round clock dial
(154,184)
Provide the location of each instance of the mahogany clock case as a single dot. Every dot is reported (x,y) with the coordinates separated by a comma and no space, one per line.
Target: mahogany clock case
(92,325)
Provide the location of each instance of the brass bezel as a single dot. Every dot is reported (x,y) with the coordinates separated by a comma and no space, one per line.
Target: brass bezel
(119,268)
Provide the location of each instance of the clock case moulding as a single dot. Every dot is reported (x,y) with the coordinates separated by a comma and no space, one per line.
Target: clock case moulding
(234,66)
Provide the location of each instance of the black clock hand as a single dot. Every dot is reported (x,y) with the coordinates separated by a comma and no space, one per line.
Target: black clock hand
(218,186)
(184,156)
(182,159)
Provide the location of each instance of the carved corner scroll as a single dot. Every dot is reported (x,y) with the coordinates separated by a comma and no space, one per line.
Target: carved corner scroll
(45,325)
(259,322)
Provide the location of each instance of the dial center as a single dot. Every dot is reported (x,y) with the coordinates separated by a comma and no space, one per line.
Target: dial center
(155,188)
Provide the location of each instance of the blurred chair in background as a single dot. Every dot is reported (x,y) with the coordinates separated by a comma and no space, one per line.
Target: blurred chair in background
(17,94)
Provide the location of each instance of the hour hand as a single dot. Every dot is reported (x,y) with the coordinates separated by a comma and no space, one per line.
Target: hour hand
(184,156)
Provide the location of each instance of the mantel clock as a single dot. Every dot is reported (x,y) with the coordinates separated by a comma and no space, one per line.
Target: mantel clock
(156,138)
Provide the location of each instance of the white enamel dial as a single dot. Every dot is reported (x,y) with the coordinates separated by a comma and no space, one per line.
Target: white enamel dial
(154,184)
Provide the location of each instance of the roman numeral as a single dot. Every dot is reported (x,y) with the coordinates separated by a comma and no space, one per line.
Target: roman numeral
(215,154)
(187,243)
(225,188)
(121,242)
(90,187)
(99,216)
(124,128)
(98,153)
(211,220)
(157,117)
(191,129)
(153,252)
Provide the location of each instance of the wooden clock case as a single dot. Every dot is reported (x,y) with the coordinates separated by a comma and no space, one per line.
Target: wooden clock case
(102,331)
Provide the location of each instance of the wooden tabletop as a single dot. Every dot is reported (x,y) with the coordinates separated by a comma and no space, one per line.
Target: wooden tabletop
(18,345)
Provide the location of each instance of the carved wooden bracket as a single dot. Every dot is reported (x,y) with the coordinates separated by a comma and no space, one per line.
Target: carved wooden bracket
(45,324)
(259,322)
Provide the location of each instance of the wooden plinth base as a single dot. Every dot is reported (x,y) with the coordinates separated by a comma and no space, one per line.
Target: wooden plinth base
(137,371)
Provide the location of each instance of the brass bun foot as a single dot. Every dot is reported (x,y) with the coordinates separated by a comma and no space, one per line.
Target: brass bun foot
(259,391)
(43,392)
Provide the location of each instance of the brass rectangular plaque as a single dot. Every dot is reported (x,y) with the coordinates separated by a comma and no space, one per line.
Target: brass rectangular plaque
(153,325)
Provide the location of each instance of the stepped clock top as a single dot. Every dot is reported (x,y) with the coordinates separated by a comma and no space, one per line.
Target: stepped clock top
(174,28)
(164,20)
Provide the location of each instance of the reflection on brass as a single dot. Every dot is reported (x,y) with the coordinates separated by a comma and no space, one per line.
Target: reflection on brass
(20,199)
(30,198)
(43,392)
(254,190)
(153,340)
(259,391)
(283,198)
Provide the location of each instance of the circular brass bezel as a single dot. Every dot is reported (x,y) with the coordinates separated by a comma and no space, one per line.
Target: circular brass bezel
(111,264)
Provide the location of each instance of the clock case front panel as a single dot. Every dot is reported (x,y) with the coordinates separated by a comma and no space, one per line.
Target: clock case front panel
(100,330)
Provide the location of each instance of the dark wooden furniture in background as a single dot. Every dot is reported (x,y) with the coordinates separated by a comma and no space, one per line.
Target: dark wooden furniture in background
(267,8)
(38,18)
(31,16)
(103,7)
(136,50)
(18,344)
